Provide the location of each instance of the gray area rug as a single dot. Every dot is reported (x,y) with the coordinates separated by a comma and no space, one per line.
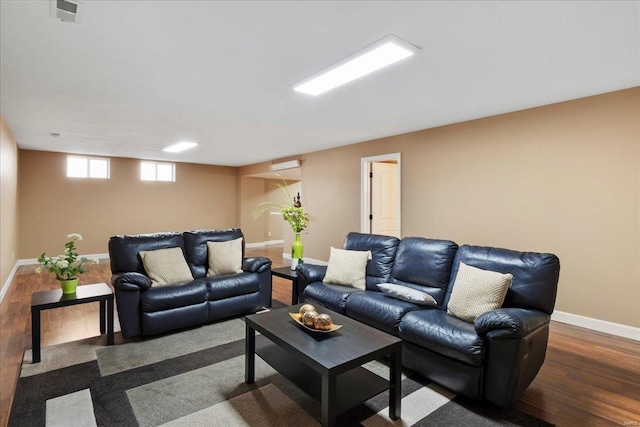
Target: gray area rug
(196,378)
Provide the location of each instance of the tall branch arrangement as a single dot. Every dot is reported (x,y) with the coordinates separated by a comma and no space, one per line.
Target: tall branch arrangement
(292,211)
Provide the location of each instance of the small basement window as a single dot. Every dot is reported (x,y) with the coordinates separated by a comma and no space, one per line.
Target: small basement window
(156,171)
(87,167)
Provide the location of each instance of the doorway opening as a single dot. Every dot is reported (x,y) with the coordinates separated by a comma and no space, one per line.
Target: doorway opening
(381,195)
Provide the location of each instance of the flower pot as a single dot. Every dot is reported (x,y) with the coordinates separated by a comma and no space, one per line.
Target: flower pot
(296,252)
(69,286)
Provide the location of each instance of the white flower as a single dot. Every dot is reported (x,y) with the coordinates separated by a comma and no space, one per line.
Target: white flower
(74,236)
(62,264)
(38,270)
(94,261)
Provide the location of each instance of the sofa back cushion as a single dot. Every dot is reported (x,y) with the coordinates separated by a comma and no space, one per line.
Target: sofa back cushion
(425,265)
(196,252)
(124,250)
(535,275)
(383,251)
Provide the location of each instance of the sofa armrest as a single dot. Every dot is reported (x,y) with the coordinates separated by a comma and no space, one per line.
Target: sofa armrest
(130,282)
(516,344)
(311,273)
(510,322)
(256,265)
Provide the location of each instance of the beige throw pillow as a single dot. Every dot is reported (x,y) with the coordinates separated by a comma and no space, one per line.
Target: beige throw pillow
(348,268)
(476,291)
(225,257)
(166,266)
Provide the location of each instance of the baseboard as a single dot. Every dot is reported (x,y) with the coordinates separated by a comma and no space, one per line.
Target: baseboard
(263,244)
(5,286)
(34,261)
(597,325)
(286,255)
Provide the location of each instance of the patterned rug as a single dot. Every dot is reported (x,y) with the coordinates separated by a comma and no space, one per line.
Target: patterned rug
(196,378)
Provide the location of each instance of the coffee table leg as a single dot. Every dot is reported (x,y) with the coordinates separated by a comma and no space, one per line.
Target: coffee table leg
(35,335)
(294,292)
(109,314)
(249,354)
(328,400)
(103,315)
(395,389)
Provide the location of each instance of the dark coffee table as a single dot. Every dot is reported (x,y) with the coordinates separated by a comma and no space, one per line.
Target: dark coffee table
(55,298)
(326,366)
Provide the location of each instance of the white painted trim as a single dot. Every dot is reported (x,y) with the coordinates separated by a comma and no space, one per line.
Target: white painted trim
(34,261)
(313,261)
(5,287)
(597,325)
(263,244)
(364,185)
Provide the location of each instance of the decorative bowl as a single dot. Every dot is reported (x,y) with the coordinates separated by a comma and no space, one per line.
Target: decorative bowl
(296,317)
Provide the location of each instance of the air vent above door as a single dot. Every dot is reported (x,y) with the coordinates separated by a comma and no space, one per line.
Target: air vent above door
(66,10)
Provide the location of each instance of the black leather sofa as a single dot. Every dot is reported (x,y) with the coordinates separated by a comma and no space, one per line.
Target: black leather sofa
(495,358)
(146,310)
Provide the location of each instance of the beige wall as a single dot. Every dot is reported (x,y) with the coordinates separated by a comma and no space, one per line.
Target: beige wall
(273,224)
(52,205)
(252,193)
(8,201)
(563,178)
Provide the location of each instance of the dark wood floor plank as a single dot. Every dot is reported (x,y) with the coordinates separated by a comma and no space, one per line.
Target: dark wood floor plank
(588,379)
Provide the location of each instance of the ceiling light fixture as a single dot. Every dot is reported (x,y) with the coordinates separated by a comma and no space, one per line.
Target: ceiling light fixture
(290,164)
(180,146)
(380,54)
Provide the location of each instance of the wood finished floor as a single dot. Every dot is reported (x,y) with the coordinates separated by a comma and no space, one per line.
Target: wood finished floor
(588,378)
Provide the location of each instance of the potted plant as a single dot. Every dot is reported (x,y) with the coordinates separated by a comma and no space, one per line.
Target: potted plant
(293,212)
(66,266)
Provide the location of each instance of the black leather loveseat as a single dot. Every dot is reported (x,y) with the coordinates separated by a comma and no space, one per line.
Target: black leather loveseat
(147,310)
(496,357)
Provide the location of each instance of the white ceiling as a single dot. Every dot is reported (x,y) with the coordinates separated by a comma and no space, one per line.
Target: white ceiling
(136,76)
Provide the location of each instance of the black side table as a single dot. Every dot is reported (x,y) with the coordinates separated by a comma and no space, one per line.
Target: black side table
(288,273)
(53,299)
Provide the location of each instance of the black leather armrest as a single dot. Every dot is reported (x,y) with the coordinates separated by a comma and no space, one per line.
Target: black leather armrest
(510,322)
(130,282)
(311,273)
(256,265)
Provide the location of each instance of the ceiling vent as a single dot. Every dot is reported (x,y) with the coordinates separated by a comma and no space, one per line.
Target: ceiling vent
(67,11)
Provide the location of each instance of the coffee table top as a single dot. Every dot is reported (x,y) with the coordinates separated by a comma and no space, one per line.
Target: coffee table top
(84,293)
(350,346)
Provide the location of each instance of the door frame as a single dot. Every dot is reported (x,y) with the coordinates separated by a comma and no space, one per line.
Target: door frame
(364,188)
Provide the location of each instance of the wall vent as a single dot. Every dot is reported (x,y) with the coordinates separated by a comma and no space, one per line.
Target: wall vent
(66,10)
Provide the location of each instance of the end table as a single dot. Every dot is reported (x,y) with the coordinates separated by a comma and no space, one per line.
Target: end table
(55,298)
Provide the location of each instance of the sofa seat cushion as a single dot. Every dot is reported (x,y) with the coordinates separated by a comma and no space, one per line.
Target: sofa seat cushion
(231,285)
(332,297)
(378,310)
(173,296)
(444,334)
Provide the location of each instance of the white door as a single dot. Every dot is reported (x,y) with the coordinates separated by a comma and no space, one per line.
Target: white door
(384,198)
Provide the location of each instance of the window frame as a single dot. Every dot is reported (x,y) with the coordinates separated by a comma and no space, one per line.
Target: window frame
(87,171)
(155,165)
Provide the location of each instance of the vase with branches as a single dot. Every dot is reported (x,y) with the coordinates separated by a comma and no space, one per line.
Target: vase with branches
(294,213)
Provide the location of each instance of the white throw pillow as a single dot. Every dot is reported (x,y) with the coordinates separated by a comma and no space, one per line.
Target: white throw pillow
(224,257)
(348,268)
(476,291)
(405,293)
(166,266)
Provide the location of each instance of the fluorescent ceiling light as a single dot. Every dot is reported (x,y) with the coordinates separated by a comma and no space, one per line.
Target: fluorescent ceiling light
(180,146)
(378,55)
(284,165)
